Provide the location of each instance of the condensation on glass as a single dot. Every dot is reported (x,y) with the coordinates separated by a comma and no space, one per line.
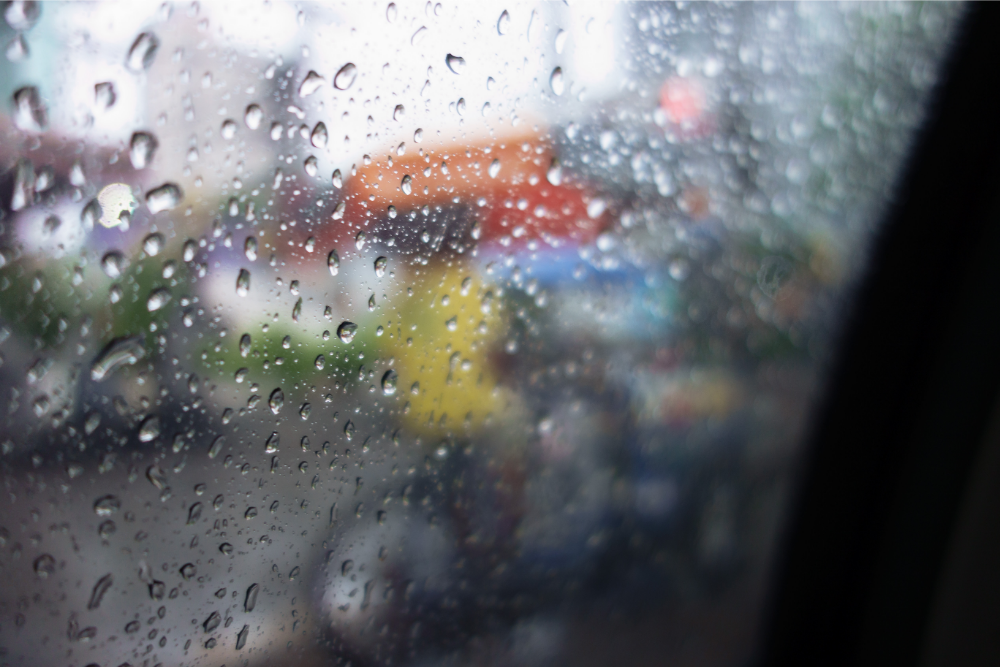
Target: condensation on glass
(398,333)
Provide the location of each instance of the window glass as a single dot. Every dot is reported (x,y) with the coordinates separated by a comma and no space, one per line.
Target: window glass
(421,333)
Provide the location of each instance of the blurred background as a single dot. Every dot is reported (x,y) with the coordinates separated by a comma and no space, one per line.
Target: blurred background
(417,333)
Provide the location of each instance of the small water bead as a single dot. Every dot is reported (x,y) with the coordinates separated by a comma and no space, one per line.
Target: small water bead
(189,251)
(359,240)
(310,84)
(228,129)
(556,81)
(250,248)
(455,63)
(244,345)
(346,331)
(310,244)
(250,513)
(319,136)
(392,212)
(371,302)
(153,244)
(164,198)
(243,283)
(273,442)
(406,184)
(143,52)
(418,135)
(251,598)
(227,549)
(215,449)
(311,166)
(344,78)
(337,179)
(380,264)
(142,148)
(333,262)
(194,513)
(188,571)
(113,263)
(305,410)
(253,116)
(158,298)
(276,400)
(418,36)
(494,168)
(389,380)
(503,23)
(320,362)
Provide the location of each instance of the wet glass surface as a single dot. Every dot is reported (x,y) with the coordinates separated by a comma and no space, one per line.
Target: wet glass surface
(424,333)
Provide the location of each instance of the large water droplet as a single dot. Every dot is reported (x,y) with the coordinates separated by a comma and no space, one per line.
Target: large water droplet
(311,166)
(243,283)
(22,16)
(30,113)
(114,263)
(389,380)
(241,637)
(188,570)
(455,63)
(119,352)
(554,173)
(418,36)
(107,505)
(345,77)
(556,81)
(251,598)
(560,41)
(310,84)
(273,442)
(153,244)
(228,130)
(212,622)
(163,198)
(100,588)
(359,240)
(45,565)
(390,12)
(319,136)
(141,149)
(380,264)
(333,262)
(105,95)
(250,248)
(156,476)
(194,514)
(406,184)
(149,429)
(253,116)
(398,112)
(244,345)
(503,23)
(494,168)
(346,331)
(158,298)
(143,52)
(276,400)
(337,179)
